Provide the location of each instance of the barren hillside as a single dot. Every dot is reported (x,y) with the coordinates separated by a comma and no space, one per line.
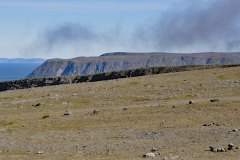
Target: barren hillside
(125,118)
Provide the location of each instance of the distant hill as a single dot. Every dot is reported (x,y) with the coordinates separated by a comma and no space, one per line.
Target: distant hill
(124,61)
(21,60)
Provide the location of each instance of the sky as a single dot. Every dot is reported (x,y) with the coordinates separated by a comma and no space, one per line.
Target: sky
(73,28)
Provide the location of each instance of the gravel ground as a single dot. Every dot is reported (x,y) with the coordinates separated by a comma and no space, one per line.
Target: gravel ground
(125,118)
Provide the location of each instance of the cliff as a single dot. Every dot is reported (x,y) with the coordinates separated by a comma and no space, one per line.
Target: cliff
(124,61)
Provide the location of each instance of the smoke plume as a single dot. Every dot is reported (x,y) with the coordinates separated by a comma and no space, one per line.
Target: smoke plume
(206,28)
(213,26)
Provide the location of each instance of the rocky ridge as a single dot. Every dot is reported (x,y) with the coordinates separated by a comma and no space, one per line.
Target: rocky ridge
(119,61)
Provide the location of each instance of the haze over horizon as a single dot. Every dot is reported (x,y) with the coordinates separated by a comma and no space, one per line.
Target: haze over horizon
(66,29)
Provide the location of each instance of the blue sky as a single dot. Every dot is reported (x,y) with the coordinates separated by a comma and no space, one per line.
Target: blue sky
(23,20)
(70,28)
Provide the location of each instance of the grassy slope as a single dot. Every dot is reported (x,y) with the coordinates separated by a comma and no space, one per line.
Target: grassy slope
(150,121)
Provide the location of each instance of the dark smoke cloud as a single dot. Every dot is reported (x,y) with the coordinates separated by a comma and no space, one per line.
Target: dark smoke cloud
(71,39)
(213,27)
(67,34)
(196,27)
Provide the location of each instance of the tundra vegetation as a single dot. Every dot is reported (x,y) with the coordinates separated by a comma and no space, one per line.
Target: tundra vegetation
(130,118)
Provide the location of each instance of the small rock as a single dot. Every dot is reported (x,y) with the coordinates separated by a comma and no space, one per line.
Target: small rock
(214,100)
(235,130)
(40,152)
(221,149)
(95,112)
(124,109)
(37,105)
(149,155)
(190,102)
(67,113)
(213,149)
(154,149)
(216,124)
(64,103)
(211,124)
(230,146)
(45,116)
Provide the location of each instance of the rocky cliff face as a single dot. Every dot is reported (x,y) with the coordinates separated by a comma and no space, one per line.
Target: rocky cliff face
(125,61)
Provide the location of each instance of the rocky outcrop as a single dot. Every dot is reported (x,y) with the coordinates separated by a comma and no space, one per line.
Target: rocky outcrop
(40,82)
(124,61)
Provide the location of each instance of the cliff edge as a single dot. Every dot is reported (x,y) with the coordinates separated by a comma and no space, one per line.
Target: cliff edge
(120,61)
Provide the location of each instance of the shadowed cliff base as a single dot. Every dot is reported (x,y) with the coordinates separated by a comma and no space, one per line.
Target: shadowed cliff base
(41,82)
